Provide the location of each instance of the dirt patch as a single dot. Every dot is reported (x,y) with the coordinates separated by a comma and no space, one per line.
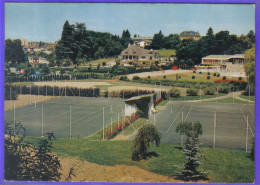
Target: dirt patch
(85,171)
(158,73)
(24,100)
(72,84)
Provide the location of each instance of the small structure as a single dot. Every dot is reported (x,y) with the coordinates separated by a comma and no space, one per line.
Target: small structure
(143,104)
(189,35)
(142,41)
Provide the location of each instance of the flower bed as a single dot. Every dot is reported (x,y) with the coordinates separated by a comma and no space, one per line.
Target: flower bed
(111,132)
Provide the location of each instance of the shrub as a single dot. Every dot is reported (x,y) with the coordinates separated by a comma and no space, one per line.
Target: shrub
(179,77)
(192,92)
(209,91)
(175,93)
(193,77)
(149,77)
(208,73)
(223,89)
(145,136)
(218,75)
(224,78)
(164,76)
(194,71)
(136,78)
(208,77)
(215,74)
(240,78)
(124,78)
(200,72)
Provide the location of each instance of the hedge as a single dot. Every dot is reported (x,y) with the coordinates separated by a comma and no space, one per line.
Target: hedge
(209,91)
(192,92)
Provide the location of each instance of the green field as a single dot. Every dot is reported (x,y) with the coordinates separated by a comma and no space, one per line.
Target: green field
(252,98)
(167,52)
(223,166)
(229,100)
(183,98)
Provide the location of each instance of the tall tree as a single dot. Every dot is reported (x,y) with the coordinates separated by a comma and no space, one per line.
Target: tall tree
(14,52)
(249,66)
(190,172)
(158,41)
(172,41)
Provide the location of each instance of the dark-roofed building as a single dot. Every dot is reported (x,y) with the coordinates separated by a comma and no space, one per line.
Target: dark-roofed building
(134,52)
(189,35)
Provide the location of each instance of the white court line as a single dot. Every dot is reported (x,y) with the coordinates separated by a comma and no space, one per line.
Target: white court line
(188,113)
(175,119)
(251,113)
(248,124)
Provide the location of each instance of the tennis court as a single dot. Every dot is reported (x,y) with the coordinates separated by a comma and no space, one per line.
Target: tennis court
(229,126)
(84,114)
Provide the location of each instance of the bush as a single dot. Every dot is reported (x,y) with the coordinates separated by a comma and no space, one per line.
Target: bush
(124,78)
(193,77)
(175,93)
(179,77)
(218,75)
(164,76)
(223,89)
(149,77)
(192,92)
(208,77)
(224,78)
(215,74)
(209,91)
(136,78)
(194,71)
(11,90)
(200,72)
(240,78)
(146,135)
(208,73)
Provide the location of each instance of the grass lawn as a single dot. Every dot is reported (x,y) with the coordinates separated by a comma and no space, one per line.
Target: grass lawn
(229,100)
(183,98)
(223,166)
(252,98)
(137,124)
(167,52)
(163,103)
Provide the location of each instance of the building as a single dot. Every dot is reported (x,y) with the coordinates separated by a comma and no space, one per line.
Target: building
(232,64)
(135,53)
(142,41)
(189,35)
(37,60)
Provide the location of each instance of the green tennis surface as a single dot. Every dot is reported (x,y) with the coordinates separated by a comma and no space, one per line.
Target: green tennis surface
(231,123)
(86,116)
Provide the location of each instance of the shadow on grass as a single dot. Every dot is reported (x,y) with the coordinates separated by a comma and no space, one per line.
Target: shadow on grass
(178,147)
(152,154)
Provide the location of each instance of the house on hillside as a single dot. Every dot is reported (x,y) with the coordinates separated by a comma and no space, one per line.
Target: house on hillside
(137,54)
(37,60)
(142,41)
(189,35)
(225,63)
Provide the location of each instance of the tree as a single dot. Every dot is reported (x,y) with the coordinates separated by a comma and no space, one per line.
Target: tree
(146,135)
(45,69)
(190,172)
(249,66)
(158,41)
(210,32)
(26,162)
(14,52)
(172,42)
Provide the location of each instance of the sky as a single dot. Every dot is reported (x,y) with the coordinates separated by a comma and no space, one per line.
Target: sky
(44,21)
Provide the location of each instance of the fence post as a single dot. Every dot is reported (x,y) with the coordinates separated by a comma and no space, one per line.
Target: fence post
(103,123)
(246,132)
(214,135)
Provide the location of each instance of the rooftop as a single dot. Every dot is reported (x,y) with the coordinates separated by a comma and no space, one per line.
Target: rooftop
(224,57)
